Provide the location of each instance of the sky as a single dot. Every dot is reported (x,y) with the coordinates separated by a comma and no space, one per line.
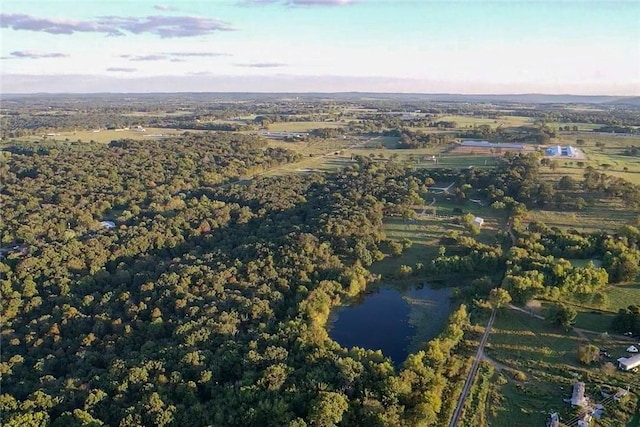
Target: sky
(415,46)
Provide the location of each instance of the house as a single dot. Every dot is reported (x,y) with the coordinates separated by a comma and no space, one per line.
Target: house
(108,224)
(478,221)
(578,398)
(629,363)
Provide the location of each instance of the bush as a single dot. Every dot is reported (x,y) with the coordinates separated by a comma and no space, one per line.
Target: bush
(520,376)
(588,354)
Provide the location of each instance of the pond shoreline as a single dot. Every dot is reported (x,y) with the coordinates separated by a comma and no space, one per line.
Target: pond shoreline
(396,320)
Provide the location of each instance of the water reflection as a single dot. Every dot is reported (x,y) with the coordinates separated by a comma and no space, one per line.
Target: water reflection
(396,321)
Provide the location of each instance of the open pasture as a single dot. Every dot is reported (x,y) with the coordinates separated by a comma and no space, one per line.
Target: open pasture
(498,152)
(471,121)
(538,364)
(106,136)
(302,126)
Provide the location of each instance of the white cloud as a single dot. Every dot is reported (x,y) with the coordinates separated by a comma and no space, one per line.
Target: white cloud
(163,26)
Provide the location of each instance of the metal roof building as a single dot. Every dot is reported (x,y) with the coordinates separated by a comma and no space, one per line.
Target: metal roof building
(578,398)
(487,144)
(629,363)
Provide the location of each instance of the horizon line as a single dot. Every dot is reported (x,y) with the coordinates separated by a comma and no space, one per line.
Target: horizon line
(320,92)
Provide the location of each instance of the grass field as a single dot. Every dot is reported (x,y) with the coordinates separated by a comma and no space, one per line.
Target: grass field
(600,213)
(468,121)
(601,216)
(302,126)
(538,365)
(599,318)
(382,141)
(618,296)
(106,136)
(424,234)
(611,154)
(426,230)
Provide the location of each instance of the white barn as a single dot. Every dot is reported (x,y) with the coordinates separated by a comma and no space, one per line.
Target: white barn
(629,363)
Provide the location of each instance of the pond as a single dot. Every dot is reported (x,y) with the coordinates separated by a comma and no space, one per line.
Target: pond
(396,321)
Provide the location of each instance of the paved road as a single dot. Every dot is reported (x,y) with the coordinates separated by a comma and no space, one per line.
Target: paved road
(474,369)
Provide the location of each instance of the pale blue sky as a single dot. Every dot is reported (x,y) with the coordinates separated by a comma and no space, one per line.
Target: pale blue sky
(581,47)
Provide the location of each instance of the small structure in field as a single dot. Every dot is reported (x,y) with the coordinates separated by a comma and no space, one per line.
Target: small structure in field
(578,398)
(629,363)
(283,135)
(478,221)
(632,349)
(108,224)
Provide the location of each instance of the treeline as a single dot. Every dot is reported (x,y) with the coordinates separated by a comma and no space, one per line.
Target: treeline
(540,134)
(618,129)
(418,139)
(194,124)
(538,266)
(515,185)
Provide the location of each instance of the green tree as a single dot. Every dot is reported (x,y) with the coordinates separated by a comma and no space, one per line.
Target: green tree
(588,353)
(327,409)
(499,298)
(562,315)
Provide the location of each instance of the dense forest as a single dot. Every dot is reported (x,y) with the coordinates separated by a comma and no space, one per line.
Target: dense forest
(206,302)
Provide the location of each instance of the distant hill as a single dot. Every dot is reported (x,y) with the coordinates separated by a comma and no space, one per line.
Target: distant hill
(353,96)
(627,101)
(515,98)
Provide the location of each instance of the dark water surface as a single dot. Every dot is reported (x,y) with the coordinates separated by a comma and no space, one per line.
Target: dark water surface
(392,320)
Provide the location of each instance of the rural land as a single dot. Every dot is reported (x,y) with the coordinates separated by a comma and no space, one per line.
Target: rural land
(314,259)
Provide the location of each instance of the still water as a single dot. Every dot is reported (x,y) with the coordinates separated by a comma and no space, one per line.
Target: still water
(392,320)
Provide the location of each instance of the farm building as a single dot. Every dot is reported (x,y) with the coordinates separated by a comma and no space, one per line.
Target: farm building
(278,135)
(478,221)
(629,363)
(578,398)
(558,150)
(487,144)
